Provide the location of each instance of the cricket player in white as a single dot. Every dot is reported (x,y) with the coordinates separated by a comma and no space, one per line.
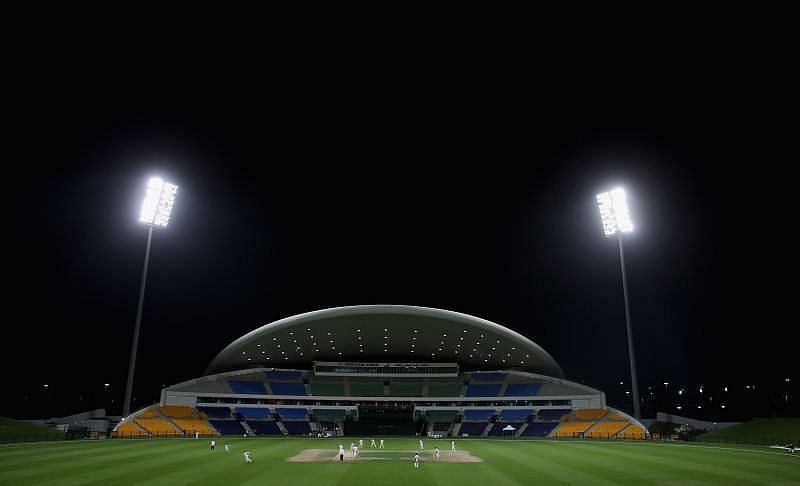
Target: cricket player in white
(196,434)
(372,443)
(416,460)
(436,451)
(213,444)
(361,443)
(227,447)
(452,447)
(247,457)
(355,451)
(381,447)
(421,447)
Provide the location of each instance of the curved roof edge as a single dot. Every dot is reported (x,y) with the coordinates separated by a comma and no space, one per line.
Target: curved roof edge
(228,353)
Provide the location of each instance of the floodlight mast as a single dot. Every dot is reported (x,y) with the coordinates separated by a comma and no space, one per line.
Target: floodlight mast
(616,220)
(156,210)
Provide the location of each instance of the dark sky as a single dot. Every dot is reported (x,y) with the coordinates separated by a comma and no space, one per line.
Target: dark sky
(468,188)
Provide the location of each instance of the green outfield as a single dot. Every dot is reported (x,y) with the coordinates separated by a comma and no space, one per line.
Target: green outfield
(503,462)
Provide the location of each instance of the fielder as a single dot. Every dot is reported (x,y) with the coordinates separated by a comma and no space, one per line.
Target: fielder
(421,447)
(416,460)
(452,447)
(213,444)
(381,447)
(361,443)
(372,443)
(227,447)
(247,459)
(436,452)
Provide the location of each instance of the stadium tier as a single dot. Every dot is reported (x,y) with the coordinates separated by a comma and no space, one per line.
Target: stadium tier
(481,415)
(216,412)
(292,413)
(522,389)
(287,388)
(515,414)
(248,387)
(264,428)
(176,411)
(482,390)
(590,413)
(357,370)
(254,413)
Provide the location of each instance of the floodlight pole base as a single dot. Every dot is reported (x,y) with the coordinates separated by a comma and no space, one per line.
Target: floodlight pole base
(634,381)
(126,406)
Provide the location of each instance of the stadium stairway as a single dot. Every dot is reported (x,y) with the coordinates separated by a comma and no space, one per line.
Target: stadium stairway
(521,430)
(502,391)
(247,428)
(456,429)
(487,429)
(282,427)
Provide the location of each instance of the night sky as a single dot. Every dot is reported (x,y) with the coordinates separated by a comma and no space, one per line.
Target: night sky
(432,187)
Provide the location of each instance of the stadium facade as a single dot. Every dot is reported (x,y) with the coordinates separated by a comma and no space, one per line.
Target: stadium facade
(383,370)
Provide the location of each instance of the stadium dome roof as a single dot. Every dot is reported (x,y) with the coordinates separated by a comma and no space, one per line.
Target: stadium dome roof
(385,333)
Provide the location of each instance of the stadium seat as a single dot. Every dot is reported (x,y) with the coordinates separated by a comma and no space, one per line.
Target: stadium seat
(216,412)
(483,414)
(522,389)
(254,412)
(128,429)
(297,428)
(247,387)
(590,413)
(473,428)
(279,388)
(176,411)
(482,390)
(515,414)
(191,426)
(158,427)
(570,429)
(264,428)
(552,413)
(539,429)
(228,427)
(292,413)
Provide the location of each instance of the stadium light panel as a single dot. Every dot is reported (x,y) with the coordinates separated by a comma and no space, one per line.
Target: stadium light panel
(158,201)
(614,212)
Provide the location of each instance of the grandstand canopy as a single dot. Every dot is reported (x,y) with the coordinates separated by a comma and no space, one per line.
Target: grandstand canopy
(385,333)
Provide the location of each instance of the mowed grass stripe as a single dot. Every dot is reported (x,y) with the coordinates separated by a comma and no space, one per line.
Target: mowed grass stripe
(93,463)
(32,455)
(670,459)
(158,461)
(555,464)
(767,464)
(589,463)
(761,464)
(664,471)
(218,463)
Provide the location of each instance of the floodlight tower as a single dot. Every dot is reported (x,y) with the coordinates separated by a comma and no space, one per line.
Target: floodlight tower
(156,209)
(617,220)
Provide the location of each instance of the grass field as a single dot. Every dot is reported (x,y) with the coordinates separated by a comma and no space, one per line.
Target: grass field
(505,462)
(775,429)
(17,428)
